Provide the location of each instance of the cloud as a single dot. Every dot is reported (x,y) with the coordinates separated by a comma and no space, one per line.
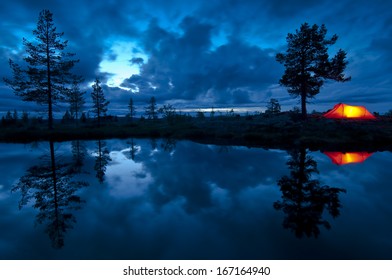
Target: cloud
(137,60)
(185,65)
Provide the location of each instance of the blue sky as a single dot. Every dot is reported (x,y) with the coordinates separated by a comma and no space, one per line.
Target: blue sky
(199,54)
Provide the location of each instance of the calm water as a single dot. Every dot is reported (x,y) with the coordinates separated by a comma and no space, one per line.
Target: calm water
(144,199)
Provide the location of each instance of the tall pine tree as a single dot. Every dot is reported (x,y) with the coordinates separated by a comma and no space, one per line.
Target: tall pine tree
(308,64)
(47,75)
(100,105)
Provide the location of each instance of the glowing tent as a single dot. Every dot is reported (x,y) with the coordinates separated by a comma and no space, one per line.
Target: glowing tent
(344,111)
(341,158)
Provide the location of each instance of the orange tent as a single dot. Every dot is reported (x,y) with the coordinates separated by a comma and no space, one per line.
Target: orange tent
(341,158)
(344,111)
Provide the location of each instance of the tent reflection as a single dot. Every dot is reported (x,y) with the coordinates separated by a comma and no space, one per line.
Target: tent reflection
(341,158)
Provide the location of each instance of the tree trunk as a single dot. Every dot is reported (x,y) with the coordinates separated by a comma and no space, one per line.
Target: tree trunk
(303,105)
(54,178)
(50,110)
(303,88)
(98,115)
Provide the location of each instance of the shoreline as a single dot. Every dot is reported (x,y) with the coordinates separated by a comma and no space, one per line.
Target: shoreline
(282,131)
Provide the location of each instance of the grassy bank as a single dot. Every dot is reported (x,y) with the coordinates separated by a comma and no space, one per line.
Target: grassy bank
(276,131)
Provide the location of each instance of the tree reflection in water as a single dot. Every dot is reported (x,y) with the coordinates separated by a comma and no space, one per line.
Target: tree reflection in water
(133,149)
(78,155)
(53,191)
(304,199)
(169,145)
(102,159)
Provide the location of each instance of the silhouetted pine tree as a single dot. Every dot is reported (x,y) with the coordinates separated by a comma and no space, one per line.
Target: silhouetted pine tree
(48,72)
(308,64)
(151,109)
(100,105)
(76,100)
(273,107)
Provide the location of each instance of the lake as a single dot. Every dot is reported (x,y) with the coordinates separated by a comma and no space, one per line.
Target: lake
(166,199)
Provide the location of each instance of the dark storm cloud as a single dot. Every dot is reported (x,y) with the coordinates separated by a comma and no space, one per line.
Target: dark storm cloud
(137,60)
(380,47)
(86,25)
(185,65)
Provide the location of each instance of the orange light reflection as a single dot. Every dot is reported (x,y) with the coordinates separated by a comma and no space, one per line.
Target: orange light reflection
(341,158)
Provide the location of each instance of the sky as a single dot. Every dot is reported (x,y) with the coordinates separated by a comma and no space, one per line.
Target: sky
(203,54)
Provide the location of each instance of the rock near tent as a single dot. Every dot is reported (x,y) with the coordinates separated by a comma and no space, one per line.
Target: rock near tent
(344,111)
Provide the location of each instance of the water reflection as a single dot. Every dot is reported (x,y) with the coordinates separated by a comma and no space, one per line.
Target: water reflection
(169,145)
(53,192)
(304,199)
(102,159)
(78,154)
(154,144)
(181,200)
(133,149)
(342,158)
